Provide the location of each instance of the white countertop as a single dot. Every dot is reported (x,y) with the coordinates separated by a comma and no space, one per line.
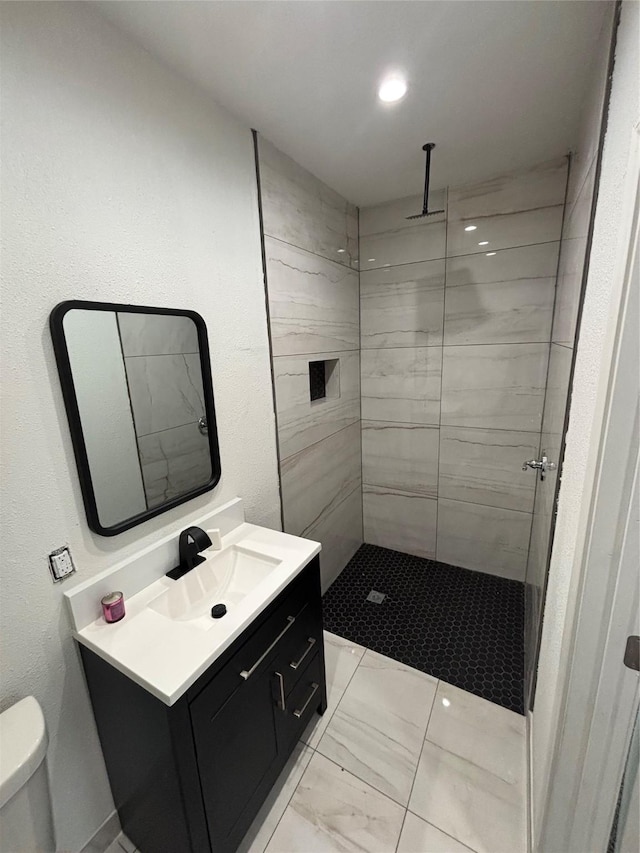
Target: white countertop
(166,656)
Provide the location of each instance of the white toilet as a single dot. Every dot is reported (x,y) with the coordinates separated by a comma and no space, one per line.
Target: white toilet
(26,824)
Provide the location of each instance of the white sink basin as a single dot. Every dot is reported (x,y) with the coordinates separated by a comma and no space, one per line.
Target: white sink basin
(226,577)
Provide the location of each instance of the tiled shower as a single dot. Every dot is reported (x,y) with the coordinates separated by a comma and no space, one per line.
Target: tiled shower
(430,339)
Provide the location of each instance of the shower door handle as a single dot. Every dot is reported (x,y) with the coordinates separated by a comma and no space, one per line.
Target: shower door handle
(543,465)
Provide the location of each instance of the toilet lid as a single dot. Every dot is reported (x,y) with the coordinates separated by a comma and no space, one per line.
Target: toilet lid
(23,745)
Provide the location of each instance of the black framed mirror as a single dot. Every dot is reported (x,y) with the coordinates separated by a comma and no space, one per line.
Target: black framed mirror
(137,388)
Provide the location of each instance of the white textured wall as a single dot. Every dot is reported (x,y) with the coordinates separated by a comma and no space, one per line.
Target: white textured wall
(584,424)
(120,182)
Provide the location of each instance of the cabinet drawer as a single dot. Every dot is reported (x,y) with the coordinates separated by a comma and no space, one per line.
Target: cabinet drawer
(298,647)
(301,703)
(255,654)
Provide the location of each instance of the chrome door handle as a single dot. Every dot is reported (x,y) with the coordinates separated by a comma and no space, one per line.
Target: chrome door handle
(283,706)
(246,673)
(543,465)
(296,663)
(300,711)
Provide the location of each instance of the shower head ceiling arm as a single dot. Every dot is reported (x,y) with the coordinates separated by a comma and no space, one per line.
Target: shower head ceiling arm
(428,147)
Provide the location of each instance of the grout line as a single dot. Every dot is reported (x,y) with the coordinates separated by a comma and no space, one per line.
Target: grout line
(319,441)
(462,255)
(445,346)
(315,254)
(448,834)
(450,426)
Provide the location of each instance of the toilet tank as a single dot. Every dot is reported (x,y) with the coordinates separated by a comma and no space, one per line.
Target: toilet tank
(26,824)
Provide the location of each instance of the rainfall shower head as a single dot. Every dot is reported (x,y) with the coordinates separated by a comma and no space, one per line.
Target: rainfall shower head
(425,203)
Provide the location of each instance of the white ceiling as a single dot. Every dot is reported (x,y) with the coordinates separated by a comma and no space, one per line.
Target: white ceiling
(496,85)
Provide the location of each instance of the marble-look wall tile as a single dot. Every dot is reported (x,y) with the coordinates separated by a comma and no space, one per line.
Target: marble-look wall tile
(402,306)
(550,443)
(173,462)
(485,538)
(302,421)
(400,456)
(301,210)
(313,302)
(402,384)
(165,390)
(503,298)
(516,209)
(315,480)
(156,334)
(340,533)
(573,256)
(485,466)
(388,238)
(497,386)
(402,521)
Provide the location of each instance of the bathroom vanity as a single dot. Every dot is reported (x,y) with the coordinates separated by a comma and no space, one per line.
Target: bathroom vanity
(197,716)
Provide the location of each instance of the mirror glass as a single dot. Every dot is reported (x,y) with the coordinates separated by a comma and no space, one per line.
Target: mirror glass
(137,388)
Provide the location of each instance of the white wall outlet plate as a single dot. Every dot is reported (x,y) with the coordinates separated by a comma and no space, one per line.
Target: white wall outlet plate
(61,564)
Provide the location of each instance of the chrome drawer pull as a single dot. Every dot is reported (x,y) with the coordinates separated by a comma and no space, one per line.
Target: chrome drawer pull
(301,711)
(296,663)
(248,672)
(282,702)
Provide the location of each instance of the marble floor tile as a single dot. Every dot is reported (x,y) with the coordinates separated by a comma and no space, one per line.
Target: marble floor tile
(316,479)
(401,384)
(418,836)
(484,538)
(388,238)
(157,334)
(302,421)
(265,822)
(496,386)
(505,298)
(403,457)
(379,725)
(401,521)
(468,802)
(340,533)
(516,209)
(301,210)
(485,466)
(165,390)
(332,811)
(484,733)
(341,659)
(402,305)
(313,302)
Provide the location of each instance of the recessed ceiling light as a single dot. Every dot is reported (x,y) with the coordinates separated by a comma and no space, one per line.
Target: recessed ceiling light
(490,253)
(370,260)
(340,251)
(446,703)
(392,89)
(470,227)
(483,243)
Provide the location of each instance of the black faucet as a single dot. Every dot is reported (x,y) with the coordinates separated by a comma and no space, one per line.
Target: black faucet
(191,542)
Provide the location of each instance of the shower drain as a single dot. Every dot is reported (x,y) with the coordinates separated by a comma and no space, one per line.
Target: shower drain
(376,597)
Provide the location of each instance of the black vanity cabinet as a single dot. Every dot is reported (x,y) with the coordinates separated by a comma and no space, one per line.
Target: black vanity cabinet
(190,777)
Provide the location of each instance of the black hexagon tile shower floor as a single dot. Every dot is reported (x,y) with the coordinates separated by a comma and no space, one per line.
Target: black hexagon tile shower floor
(464,627)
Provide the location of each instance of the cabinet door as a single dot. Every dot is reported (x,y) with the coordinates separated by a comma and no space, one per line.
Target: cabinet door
(236,747)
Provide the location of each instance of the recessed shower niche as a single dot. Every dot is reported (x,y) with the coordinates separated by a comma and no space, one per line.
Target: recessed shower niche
(324,380)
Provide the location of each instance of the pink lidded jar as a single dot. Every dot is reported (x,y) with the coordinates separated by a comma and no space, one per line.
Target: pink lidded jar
(113,607)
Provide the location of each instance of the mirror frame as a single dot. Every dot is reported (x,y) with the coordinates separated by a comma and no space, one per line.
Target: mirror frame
(65,374)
